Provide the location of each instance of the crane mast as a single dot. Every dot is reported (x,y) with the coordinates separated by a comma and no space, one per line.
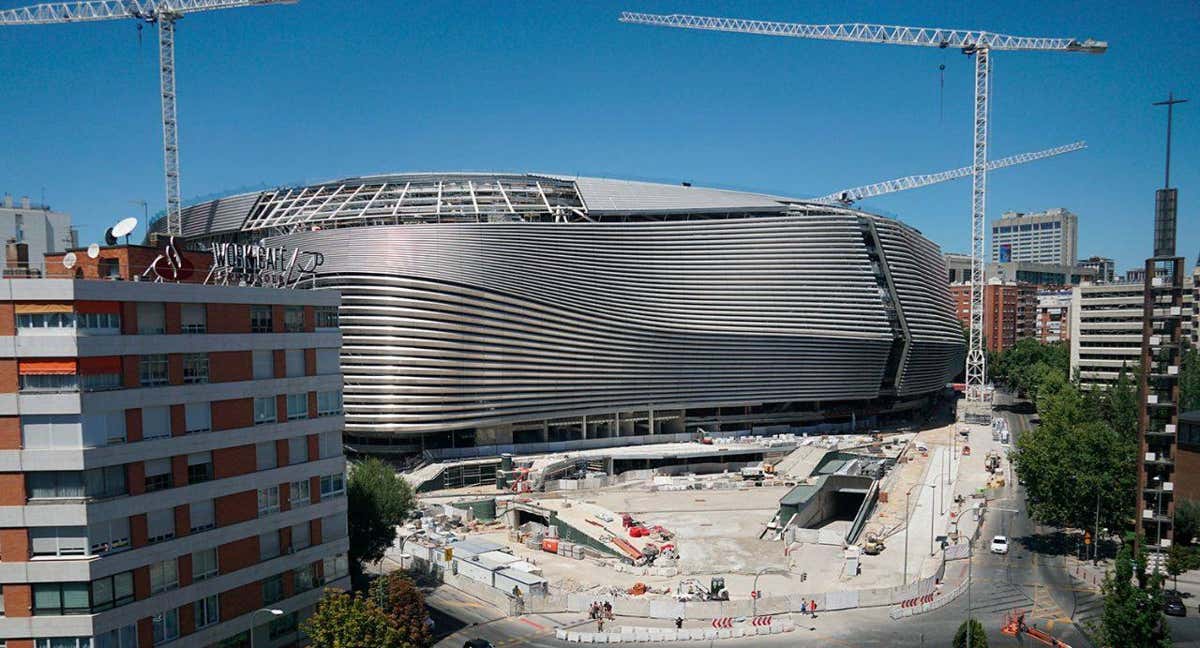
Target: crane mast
(971,42)
(164,13)
(853,195)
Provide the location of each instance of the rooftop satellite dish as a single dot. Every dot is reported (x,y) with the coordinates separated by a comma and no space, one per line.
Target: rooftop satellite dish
(125,227)
(69,260)
(93,251)
(109,239)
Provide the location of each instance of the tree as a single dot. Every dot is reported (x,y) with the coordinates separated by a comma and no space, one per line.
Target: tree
(1132,611)
(1189,381)
(1187,521)
(345,621)
(978,636)
(404,604)
(1074,458)
(378,500)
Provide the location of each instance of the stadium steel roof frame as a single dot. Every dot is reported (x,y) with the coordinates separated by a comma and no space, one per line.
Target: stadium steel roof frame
(420,199)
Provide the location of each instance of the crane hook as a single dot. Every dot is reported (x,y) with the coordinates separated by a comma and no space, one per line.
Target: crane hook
(139,26)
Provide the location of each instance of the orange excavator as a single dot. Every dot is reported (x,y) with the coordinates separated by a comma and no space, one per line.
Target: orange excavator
(1014,626)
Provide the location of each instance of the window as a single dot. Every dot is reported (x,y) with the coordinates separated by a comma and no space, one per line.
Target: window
(208,611)
(297,450)
(160,525)
(61,598)
(61,322)
(334,527)
(264,410)
(98,323)
(108,536)
(332,485)
(39,431)
(120,638)
(272,589)
(301,538)
(102,428)
(158,474)
(156,422)
(197,417)
(193,318)
(331,444)
(268,545)
(203,515)
(329,403)
(95,483)
(152,370)
(294,365)
(164,575)
(93,382)
(264,454)
(268,500)
(195,368)
(293,319)
(58,541)
(281,626)
(336,567)
(264,364)
(326,316)
(298,493)
(328,361)
(204,564)
(151,318)
(200,468)
(260,319)
(166,626)
(297,406)
(56,382)
(304,578)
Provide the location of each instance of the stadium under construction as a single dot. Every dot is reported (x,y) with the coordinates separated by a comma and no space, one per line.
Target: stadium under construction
(483,310)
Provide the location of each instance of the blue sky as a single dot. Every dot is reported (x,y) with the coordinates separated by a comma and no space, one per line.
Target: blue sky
(323,89)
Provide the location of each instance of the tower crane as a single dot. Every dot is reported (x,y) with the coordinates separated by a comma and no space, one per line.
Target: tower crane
(851,196)
(980,44)
(164,13)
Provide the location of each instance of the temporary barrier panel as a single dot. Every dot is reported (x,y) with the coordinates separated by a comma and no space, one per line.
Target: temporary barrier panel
(841,600)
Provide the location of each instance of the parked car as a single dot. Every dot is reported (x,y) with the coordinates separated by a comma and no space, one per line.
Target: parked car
(479,643)
(1173,605)
(1000,545)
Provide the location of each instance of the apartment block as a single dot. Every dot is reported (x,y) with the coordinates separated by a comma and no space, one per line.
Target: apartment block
(1050,236)
(170,463)
(1106,329)
(1009,312)
(1053,320)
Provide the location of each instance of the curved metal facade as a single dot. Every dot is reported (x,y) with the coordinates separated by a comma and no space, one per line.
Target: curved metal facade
(569,309)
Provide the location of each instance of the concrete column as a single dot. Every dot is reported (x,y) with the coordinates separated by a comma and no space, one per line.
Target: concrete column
(651,415)
(545,430)
(584,437)
(616,424)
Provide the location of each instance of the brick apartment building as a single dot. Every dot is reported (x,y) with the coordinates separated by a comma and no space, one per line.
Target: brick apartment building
(1053,319)
(1009,311)
(170,463)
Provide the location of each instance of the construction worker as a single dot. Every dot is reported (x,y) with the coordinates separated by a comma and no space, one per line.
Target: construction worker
(678,623)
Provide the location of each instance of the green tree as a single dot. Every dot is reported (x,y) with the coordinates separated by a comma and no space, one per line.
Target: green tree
(378,500)
(1187,521)
(1132,610)
(1189,381)
(978,636)
(1074,458)
(400,599)
(345,621)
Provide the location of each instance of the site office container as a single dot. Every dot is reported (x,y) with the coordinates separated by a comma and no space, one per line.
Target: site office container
(508,578)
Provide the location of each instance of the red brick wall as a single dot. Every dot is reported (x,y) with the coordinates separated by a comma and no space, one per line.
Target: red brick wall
(310,362)
(129,371)
(239,601)
(281,407)
(178,420)
(314,531)
(228,318)
(8,376)
(129,318)
(236,507)
(14,545)
(235,413)
(172,318)
(12,489)
(179,471)
(282,455)
(135,477)
(279,360)
(238,554)
(175,368)
(133,424)
(139,530)
(10,433)
(8,320)
(277,319)
(183,526)
(18,600)
(1187,474)
(234,461)
(227,366)
(314,489)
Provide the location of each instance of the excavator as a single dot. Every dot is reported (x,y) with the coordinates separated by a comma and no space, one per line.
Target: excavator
(1014,626)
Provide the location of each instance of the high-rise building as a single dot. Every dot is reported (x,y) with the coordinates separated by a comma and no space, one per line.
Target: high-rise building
(1050,237)
(34,230)
(170,463)
(1106,268)
(1053,321)
(1009,312)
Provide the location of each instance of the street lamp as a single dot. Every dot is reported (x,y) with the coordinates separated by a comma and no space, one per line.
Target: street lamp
(271,611)
(754,587)
(907,513)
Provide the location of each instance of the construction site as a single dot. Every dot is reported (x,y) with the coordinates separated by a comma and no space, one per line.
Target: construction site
(742,523)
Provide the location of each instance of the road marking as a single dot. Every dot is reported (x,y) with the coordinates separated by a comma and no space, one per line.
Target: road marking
(536,625)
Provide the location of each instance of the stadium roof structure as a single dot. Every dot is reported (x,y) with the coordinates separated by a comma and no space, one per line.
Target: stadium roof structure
(469,197)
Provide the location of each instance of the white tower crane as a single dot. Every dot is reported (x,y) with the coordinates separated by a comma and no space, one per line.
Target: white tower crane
(162,12)
(971,42)
(851,196)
